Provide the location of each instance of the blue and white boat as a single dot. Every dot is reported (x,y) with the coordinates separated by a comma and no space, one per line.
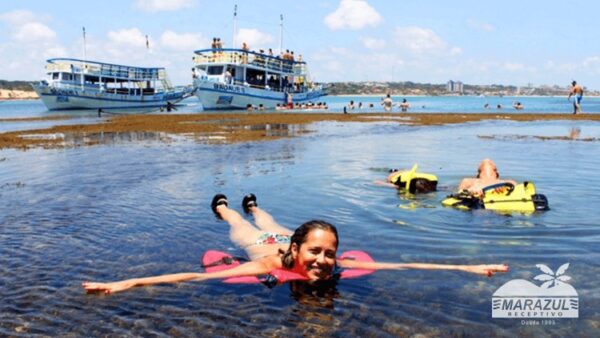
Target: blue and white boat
(82,84)
(227,78)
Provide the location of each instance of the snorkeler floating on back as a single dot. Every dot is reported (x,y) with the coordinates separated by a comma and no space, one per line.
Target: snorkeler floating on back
(309,251)
(487,175)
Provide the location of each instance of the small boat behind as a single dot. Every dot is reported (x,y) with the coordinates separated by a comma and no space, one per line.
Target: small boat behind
(226,78)
(82,84)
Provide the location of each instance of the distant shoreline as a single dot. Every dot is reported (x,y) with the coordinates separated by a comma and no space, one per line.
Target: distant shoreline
(17,95)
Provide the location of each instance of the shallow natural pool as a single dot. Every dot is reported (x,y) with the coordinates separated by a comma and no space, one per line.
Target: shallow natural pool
(136,208)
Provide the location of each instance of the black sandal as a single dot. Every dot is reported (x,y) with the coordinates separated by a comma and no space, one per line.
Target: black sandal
(248,202)
(219,199)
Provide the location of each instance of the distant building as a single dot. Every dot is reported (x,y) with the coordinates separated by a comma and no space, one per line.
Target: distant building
(454,87)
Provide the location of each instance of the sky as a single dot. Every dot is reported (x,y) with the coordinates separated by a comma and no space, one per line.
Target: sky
(477,42)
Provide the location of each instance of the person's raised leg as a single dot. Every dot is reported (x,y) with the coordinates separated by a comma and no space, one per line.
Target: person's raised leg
(262,218)
(241,232)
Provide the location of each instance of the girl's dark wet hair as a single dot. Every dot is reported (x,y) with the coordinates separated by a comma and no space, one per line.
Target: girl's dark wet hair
(300,236)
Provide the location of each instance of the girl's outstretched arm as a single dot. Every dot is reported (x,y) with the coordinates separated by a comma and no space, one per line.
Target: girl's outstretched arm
(483,269)
(253,268)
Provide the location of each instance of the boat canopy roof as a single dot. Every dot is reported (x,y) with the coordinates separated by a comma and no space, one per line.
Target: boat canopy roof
(244,57)
(103,69)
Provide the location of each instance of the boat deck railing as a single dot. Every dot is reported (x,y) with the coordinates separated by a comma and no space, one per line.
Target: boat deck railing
(112,90)
(243,57)
(107,70)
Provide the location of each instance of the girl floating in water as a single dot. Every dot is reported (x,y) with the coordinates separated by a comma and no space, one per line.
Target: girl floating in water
(309,251)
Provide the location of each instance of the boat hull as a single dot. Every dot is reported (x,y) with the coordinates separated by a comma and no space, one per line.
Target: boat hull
(64,99)
(214,95)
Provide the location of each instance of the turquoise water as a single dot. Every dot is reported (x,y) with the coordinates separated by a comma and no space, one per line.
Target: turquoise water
(135,208)
(469,104)
(423,104)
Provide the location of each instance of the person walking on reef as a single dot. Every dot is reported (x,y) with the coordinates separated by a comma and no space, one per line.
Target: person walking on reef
(577,92)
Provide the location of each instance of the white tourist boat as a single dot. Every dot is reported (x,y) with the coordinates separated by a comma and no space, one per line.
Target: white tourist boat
(236,79)
(82,84)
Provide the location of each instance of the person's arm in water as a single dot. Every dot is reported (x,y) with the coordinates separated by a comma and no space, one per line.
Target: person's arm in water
(466,183)
(253,268)
(483,269)
(385,184)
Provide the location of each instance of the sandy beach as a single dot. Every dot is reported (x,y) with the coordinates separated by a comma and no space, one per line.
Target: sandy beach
(6,94)
(240,127)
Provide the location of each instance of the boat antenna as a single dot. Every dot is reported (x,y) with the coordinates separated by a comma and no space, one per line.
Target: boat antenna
(234,24)
(84,64)
(84,51)
(280,33)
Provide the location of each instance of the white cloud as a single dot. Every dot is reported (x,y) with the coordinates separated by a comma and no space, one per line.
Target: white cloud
(25,27)
(422,41)
(254,38)
(127,38)
(455,51)
(18,17)
(353,14)
(372,43)
(513,67)
(592,61)
(183,41)
(482,26)
(164,5)
(33,31)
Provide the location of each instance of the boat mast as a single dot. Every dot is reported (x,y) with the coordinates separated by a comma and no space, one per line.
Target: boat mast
(84,58)
(234,25)
(280,33)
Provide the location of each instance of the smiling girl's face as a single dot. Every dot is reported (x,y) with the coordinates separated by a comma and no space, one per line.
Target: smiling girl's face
(315,258)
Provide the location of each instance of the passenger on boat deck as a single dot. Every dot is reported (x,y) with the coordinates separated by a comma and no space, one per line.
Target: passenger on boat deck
(261,107)
(213,45)
(219,43)
(270,52)
(371,105)
(249,107)
(228,77)
(245,47)
(487,174)
(387,103)
(360,105)
(309,251)
(351,105)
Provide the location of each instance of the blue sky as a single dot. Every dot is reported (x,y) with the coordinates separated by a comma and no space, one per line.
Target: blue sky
(477,42)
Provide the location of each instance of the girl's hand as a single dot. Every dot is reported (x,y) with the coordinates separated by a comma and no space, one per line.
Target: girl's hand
(107,288)
(486,269)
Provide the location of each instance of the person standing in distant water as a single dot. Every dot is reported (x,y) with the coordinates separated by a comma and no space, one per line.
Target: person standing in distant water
(577,92)
(404,105)
(387,103)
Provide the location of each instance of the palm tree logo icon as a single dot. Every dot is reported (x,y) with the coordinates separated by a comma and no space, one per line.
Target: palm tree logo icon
(550,278)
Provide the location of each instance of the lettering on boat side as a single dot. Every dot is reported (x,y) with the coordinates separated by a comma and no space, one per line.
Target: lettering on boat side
(520,298)
(229,88)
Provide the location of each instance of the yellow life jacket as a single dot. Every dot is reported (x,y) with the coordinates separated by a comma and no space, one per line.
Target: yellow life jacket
(414,182)
(501,197)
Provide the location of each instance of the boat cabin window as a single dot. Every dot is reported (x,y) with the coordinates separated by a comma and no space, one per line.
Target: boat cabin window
(55,76)
(255,77)
(214,70)
(67,77)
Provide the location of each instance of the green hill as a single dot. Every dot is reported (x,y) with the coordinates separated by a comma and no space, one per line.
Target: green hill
(16,85)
